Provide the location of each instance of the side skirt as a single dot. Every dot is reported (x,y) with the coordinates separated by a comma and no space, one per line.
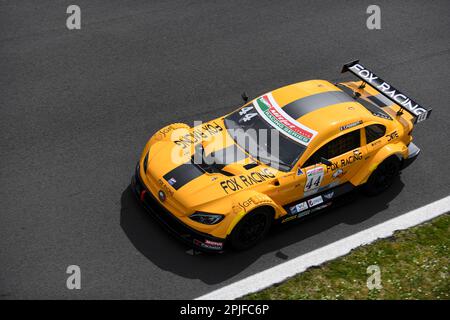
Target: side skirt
(313,203)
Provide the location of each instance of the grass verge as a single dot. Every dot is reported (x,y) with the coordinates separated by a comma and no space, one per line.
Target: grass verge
(414,264)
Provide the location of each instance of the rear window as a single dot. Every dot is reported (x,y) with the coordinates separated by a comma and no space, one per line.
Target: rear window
(374,132)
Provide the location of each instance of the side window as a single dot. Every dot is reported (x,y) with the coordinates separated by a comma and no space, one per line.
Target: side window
(315,158)
(374,132)
(336,147)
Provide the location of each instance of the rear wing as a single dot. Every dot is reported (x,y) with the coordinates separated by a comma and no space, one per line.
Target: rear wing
(420,113)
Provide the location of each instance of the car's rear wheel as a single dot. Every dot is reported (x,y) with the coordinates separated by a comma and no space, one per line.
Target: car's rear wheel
(383,176)
(251,229)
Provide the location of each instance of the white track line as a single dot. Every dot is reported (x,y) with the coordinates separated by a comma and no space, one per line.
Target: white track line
(336,249)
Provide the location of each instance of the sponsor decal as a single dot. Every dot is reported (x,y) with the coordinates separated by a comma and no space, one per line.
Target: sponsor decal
(244,205)
(296,216)
(213,244)
(302,209)
(377,142)
(357,155)
(392,136)
(314,178)
(381,115)
(231,184)
(323,206)
(388,90)
(208,244)
(198,134)
(172,181)
(350,125)
(273,114)
(423,116)
(289,218)
(304,213)
(302,206)
(236,208)
(315,201)
(247,180)
(164,188)
(338,173)
(164,131)
(329,195)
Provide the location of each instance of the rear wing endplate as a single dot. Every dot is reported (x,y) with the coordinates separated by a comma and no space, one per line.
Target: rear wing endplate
(406,103)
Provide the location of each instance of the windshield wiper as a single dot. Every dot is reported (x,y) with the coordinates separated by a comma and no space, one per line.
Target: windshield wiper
(270,162)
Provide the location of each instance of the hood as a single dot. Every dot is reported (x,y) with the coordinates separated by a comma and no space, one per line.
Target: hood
(194,180)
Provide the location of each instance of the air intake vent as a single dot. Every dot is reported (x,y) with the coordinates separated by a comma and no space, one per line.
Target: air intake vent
(250,165)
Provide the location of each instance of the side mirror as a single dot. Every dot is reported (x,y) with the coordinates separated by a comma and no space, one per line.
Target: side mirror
(326,161)
(244,96)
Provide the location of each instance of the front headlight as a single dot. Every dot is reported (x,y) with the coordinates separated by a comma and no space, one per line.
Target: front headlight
(206,218)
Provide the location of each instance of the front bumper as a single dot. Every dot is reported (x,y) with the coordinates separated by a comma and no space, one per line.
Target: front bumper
(413,153)
(194,238)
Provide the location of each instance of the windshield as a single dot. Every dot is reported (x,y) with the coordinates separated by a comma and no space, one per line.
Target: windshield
(262,141)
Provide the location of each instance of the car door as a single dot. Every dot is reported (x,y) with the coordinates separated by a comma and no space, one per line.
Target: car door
(346,155)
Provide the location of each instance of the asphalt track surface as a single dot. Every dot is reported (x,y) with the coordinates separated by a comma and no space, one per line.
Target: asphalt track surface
(78,106)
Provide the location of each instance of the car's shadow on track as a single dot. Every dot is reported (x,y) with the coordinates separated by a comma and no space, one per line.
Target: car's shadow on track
(171,255)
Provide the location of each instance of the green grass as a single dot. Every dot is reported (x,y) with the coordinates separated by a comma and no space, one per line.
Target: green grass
(414,264)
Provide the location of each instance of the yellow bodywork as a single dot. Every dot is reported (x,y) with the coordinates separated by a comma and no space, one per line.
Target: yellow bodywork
(242,190)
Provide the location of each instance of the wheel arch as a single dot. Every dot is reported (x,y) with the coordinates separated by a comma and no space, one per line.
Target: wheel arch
(398,150)
(248,203)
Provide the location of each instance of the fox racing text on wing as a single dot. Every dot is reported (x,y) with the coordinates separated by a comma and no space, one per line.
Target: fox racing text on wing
(387,89)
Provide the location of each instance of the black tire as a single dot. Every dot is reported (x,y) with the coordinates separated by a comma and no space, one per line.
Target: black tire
(383,177)
(251,229)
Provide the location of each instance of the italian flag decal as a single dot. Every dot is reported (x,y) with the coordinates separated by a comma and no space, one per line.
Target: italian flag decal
(273,114)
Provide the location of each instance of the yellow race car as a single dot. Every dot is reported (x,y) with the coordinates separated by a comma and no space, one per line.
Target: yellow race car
(279,157)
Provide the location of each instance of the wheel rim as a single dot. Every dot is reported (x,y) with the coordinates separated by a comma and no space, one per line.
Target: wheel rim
(252,229)
(386,175)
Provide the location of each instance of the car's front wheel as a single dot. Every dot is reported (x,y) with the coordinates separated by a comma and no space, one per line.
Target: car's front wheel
(383,176)
(251,229)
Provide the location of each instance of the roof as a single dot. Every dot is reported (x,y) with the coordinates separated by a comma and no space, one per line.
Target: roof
(320,105)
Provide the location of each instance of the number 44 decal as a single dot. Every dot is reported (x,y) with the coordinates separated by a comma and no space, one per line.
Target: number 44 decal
(314,178)
(247,116)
